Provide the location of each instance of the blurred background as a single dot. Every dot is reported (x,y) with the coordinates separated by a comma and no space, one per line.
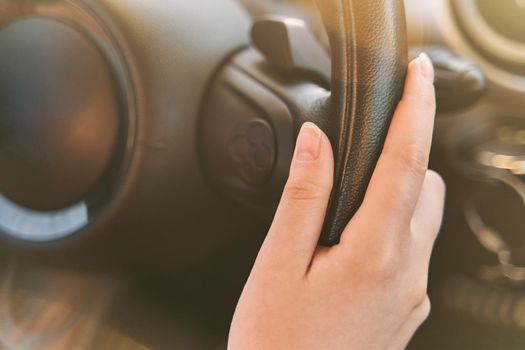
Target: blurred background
(140,288)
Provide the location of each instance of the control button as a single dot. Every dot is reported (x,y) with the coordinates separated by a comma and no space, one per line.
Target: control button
(253,151)
(288,44)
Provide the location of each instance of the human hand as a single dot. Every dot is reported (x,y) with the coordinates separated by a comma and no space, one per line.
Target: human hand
(369,291)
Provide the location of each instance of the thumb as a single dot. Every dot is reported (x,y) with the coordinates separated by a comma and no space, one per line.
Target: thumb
(293,237)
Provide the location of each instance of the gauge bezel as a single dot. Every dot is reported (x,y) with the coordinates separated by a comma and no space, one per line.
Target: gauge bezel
(481,33)
(33,226)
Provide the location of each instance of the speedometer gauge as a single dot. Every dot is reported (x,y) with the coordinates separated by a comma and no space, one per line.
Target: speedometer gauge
(496,28)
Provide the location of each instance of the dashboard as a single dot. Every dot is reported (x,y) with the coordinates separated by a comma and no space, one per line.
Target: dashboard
(479,266)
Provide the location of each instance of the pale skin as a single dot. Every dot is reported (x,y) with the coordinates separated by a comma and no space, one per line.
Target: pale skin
(369,291)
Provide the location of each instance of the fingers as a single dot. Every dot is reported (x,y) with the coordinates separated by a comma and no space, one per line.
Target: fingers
(398,177)
(297,225)
(428,214)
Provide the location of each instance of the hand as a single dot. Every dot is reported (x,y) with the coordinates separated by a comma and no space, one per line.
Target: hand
(370,291)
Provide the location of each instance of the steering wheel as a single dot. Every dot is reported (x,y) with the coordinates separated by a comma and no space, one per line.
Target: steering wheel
(147,122)
(369,60)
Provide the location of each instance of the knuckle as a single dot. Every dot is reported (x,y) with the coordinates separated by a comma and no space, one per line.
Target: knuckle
(414,159)
(384,265)
(302,189)
(423,309)
(422,100)
(437,181)
(428,101)
(430,96)
(419,297)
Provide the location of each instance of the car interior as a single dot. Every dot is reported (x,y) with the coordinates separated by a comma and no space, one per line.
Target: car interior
(144,145)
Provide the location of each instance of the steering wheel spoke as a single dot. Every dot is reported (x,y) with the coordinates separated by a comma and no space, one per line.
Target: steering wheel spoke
(369,61)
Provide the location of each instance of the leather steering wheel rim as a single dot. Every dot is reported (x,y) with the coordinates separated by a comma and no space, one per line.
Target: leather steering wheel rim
(369,63)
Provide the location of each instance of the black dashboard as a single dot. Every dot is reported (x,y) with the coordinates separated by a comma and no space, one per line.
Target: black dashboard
(477,280)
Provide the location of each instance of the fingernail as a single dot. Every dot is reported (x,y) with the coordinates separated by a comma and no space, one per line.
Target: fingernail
(426,67)
(308,143)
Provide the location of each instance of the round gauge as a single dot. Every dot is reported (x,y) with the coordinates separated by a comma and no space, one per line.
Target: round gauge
(63,128)
(506,17)
(496,28)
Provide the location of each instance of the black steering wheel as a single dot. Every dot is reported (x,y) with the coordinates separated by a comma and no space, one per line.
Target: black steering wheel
(132,122)
(369,60)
